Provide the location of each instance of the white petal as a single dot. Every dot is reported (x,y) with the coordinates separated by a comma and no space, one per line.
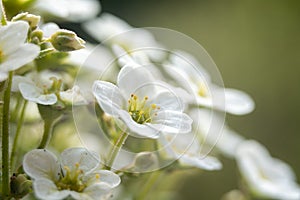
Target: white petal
(97,191)
(71,10)
(106,26)
(108,96)
(33,93)
(79,196)
(87,160)
(47,190)
(172,122)
(229,142)
(49,29)
(136,80)
(108,177)
(238,102)
(168,101)
(52,7)
(265,175)
(17,80)
(143,130)
(40,163)
(23,55)
(3,75)
(79,10)
(207,163)
(12,36)
(189,64)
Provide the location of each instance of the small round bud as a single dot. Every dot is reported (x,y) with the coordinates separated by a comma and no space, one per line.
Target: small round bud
(145,161)
(36,36)
(65,40)
(33,20)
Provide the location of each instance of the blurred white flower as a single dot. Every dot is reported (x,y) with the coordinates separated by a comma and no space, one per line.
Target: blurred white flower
(194,78)
(76,176)
(266,176)
(14,53)
(186,149)
(144,108)
(45,88)
(68,10)
(115,31)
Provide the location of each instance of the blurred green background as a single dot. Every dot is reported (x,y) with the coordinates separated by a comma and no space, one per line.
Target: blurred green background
(256,45)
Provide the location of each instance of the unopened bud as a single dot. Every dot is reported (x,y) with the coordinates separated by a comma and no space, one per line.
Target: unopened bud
(20,185)
(145,161)
(65,40)
(33,20)
(36,36)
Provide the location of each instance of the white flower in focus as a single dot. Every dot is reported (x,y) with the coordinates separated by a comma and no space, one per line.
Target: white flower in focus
(115,31)
(14,52)
(69,10)
(192,76)
(76,176)
(186,149)
(266,176)
(143,107)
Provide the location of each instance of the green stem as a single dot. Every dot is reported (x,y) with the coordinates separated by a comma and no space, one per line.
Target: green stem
(17,135)
(148,186)
(3,17)
(48,127)
(116,148)
(5,138)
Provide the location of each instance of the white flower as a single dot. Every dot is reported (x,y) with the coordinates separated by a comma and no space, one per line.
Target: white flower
(186,149)
(145,108)
(113,30)
(45,88)
(75,176)
(69,10)
(14,53)
(194,78)
(266,176)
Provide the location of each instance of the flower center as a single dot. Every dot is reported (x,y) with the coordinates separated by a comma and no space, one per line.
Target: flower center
(202,90)
(54,88)
(140,111)
(72,179)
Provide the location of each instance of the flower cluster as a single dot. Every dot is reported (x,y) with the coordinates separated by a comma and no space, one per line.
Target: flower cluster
(156,109)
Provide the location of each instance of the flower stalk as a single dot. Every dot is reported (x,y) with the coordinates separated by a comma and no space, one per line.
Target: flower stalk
(17,135)
(5,138)
(48,129)
(116,149)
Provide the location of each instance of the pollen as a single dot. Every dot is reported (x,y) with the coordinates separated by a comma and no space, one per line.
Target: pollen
(97,176)
(140,110)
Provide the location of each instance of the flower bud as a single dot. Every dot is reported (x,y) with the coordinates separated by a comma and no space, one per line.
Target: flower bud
(65,40)
(32,20)
(20,185)
(36,36)
(145,161)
